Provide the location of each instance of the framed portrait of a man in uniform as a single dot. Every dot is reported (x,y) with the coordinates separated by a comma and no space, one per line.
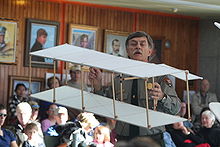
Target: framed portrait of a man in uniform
(114,43)
(8,33)
(41,34)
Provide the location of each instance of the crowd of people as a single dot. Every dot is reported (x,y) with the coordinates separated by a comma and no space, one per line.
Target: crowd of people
(34,123)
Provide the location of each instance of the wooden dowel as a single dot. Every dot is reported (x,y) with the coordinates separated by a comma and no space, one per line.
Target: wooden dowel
(113,95)
(187,94)
(147,104)
(30,73)
(130,78)
(54,78)
(121,87)
(81,86)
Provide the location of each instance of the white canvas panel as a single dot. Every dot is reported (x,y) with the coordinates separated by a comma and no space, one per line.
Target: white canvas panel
(215,108)
(105,61)
(181,75)
(71,97)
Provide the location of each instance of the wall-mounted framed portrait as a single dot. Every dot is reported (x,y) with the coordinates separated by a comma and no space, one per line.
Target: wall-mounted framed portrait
(40,34)
(84,36)
(37,84)
(114,43)
(8,33)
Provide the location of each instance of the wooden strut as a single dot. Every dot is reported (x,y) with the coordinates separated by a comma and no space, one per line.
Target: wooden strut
(54,78)
(113,94)
(81,86)
(147,103)
(121,87)
(131,78)
(67,70)
(187,94)
(155,100)
(30,73)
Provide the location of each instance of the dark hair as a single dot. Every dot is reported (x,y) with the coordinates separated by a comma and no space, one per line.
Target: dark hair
(41,32)
(20,84)
(50,81)
(115,40)
(2,107)
(143,142)
(83,36)
(140,34)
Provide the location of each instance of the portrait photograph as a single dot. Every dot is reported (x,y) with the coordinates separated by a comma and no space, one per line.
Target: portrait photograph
(84,36)
(37,84)
(8,33)
(41,34)
(115,43)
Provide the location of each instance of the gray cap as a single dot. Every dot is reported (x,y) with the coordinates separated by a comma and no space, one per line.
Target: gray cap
(2,30)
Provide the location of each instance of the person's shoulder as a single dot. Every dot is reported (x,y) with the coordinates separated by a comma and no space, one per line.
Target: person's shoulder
(9,133)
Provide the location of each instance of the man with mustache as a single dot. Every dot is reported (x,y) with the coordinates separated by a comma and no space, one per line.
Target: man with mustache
(138,46)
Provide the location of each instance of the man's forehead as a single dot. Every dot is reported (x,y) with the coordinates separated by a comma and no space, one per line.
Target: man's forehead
(139,39)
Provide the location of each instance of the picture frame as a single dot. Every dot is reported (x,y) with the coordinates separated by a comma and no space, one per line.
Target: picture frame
(114,43)
(8,39)
(37,84)
(84,36)
(40,34)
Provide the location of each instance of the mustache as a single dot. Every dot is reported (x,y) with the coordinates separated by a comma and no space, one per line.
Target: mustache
(137,51)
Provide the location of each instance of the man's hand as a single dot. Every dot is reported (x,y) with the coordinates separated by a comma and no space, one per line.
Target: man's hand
(95,77)
(156,92)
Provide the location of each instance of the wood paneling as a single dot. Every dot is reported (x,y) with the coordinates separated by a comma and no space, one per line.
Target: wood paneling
(181,32)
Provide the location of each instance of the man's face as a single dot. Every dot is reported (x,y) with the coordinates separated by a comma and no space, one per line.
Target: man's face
(2,38)
(52,110)
(205,86)
(23,117)
(116,46)
(84,43)
(3,114)
(62,118)
(138,49)
(21,91)
(75,75)
(42,39)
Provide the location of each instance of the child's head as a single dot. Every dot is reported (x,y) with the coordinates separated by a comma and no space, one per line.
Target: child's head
(102,134)
(31,130)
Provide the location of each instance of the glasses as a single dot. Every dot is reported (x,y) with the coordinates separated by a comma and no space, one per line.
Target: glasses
(134,43)
(2,114)
(35,109)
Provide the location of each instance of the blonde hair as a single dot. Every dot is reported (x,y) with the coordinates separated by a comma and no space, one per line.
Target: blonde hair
(102,130)
(87,120)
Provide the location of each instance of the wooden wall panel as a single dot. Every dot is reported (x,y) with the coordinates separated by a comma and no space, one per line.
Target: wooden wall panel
(181,32)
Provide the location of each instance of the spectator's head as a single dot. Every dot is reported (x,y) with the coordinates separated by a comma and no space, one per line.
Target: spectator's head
(51,112)
(31,130)
(21,90)
(139,45)
(207,119)
(84,41)
(75,72)
(24,112)
(3,114)
(62,115)
(87,121)
(205,85)
(183,109)
(41,36)
(51,82)
(142,142)
(2,34)
(178,125)
(116,45)
(102,134)
(35,109)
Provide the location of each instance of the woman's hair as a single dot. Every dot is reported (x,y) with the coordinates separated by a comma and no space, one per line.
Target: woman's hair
(87,120)
(143,142)
(20,84)
(2,107)
(31,126)
(103,130)
(50,81)
(209,114)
